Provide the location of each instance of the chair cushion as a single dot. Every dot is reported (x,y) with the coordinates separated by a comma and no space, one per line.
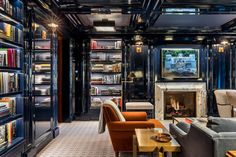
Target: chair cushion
(139,106)
(231,95)
(135,116)
(222,124)
(116,109)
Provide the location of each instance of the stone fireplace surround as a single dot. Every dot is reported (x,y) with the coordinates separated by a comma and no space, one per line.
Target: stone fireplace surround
(198,87)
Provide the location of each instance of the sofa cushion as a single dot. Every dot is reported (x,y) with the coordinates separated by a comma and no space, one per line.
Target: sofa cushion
(116,109)
(218,124)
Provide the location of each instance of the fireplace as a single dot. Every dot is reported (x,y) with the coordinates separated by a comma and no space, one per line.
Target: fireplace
(181,99)
(179,104)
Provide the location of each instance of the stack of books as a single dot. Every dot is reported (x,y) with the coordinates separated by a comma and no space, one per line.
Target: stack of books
(9,82)
(10,103)
(4,111)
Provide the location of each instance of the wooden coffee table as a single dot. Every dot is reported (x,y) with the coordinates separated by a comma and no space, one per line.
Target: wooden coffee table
(143,142)
(231,153)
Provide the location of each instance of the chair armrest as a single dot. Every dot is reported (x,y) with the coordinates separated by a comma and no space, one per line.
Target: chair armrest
(135,116)
(183,126)
(223,142)
(129,125)
(176,131)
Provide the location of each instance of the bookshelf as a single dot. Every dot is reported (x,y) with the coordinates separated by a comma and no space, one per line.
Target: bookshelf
(12,78)
(41,67)
(105,71)
(43,70)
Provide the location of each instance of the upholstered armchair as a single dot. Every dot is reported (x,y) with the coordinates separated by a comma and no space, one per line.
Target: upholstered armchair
(121,132)
(197,140)
(226,103)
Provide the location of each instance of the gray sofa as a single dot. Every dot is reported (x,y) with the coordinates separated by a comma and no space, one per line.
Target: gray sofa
(197,140)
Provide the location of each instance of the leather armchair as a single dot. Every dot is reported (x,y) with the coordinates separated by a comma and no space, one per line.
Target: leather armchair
(121,133)
(225,109)
(197,140)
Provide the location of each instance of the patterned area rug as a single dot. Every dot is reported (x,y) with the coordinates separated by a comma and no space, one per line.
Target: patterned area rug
(81,139)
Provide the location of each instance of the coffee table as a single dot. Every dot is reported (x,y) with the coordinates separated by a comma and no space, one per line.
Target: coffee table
(143,142)
(231,153)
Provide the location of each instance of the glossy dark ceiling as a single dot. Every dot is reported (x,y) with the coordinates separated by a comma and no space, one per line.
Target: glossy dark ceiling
(212,16)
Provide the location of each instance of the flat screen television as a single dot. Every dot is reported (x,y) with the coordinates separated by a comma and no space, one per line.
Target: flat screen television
(180,63)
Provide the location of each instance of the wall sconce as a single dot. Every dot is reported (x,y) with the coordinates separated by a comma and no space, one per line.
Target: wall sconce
(138,49)
(138,43)
(221,49)
(53,25)
(224,42)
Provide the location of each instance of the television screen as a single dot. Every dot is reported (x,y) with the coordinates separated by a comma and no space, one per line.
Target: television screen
(180,63)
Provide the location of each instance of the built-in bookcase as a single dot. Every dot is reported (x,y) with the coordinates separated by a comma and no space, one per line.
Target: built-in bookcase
(41,59)
(105,71)
(11,78)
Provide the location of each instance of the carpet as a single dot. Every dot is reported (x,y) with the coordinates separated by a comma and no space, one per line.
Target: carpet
(81,139)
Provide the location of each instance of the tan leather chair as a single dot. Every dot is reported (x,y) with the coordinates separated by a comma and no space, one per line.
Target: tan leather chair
(225,109)
(121,133)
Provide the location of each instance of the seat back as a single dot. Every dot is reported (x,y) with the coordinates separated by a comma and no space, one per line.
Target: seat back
(223,106)
(109,114)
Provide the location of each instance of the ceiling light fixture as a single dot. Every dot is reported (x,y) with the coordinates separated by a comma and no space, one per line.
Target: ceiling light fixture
(224,42)
(180,11)
(169,38)
(104,26)
(200,38)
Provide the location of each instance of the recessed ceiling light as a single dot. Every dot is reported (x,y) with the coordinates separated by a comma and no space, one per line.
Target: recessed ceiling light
(168,38)
(181,11)
(200,38)
(104,26)
(105,29)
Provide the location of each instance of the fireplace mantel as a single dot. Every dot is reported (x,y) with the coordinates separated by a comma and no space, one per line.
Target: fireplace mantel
(198,87)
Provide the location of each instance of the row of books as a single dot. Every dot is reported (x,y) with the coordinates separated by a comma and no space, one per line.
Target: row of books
(7,106)
(10,32)
(42,90)
(7,133)
(106,79)
(106,68)
(105,45)
(9,82)
(42,79)
(106,57)
(12,8)
(42,67)
(10,57)
(108,91)
(97,102)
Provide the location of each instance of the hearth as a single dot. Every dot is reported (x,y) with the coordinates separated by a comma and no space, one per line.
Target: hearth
(169,102)
(179,104)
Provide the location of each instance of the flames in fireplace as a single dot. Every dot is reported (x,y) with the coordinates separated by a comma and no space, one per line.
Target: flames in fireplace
(179,104)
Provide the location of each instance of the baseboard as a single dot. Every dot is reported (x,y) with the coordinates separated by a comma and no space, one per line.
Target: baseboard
(39,144)
(56,132)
